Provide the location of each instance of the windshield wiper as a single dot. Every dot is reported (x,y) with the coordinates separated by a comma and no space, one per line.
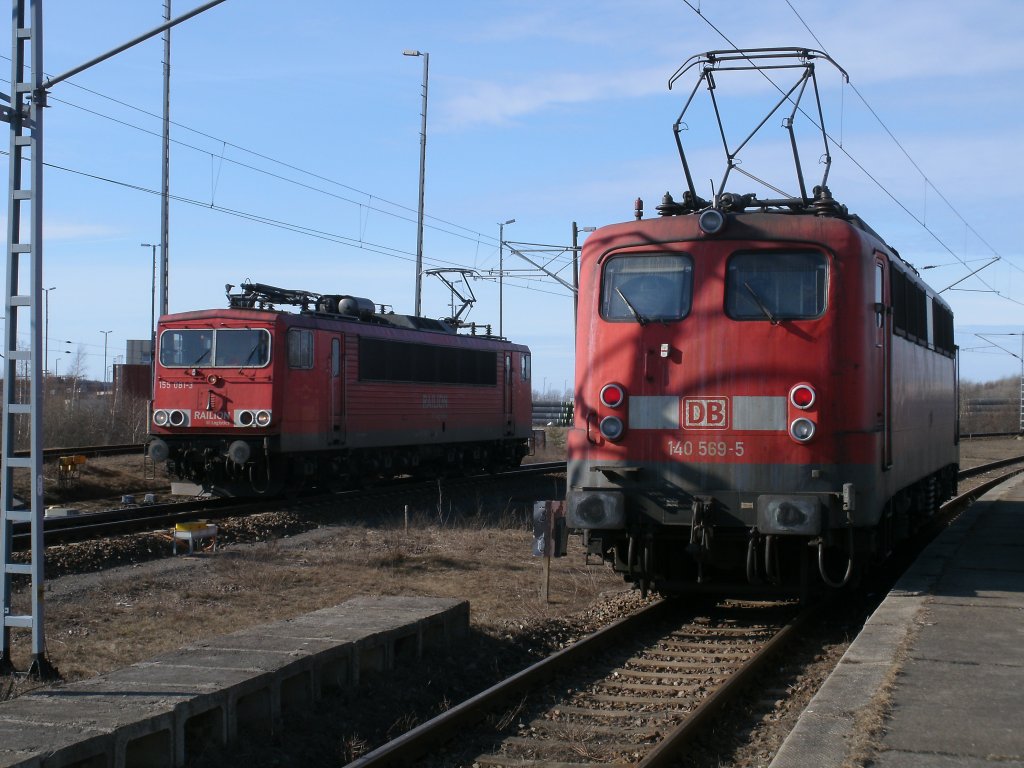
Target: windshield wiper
(761,305)
(629,305)
(252,354)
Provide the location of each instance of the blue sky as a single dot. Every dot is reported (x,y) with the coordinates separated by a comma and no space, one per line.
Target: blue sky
(295,156)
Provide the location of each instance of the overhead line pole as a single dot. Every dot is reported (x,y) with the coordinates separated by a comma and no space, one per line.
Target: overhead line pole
(165,174)
(25,202)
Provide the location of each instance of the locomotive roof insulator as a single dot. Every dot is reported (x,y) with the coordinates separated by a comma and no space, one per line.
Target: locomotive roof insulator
(826,205)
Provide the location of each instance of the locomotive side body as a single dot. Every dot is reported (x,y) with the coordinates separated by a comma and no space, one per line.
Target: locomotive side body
(757,405)
(251,401)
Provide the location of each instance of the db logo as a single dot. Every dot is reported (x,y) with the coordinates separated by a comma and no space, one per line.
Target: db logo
(705,413)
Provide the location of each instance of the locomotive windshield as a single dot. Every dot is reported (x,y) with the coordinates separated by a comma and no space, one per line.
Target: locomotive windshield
(215,348)
(645,287)
(774,285)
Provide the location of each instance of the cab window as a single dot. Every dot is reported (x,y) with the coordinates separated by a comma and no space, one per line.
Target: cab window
(776,285)
(209,348)
(645,287)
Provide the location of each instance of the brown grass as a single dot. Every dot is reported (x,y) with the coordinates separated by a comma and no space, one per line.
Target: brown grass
(97,622)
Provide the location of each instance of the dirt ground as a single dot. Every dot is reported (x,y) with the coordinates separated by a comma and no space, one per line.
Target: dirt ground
(272,566)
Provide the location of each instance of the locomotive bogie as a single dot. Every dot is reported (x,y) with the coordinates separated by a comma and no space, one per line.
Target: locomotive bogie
(756,405)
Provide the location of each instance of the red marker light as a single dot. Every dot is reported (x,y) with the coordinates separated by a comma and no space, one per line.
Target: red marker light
(802,396)
(612,395)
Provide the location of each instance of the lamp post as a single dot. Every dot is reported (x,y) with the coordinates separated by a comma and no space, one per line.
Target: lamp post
(105,335)
(576,268)
(423,168)
(46,327)
(501,274)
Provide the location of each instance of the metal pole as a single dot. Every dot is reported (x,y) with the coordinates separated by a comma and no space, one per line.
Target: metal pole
(165,172)
(501,275)
(501,280)
(105,335)
(46,328)
(576,268)
(152,300)
(423,170)
(575,274)
(25,117)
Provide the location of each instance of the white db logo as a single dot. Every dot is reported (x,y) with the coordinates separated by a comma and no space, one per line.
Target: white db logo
(705,413)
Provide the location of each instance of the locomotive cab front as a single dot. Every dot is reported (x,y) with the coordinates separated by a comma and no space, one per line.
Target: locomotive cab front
(213,413)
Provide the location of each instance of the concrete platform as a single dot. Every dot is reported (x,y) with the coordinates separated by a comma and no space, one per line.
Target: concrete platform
(160,712)
(943,655)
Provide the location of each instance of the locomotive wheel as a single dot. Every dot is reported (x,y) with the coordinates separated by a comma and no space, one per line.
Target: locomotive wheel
(646,567)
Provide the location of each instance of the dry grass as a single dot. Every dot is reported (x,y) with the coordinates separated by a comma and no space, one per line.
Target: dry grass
(97,622)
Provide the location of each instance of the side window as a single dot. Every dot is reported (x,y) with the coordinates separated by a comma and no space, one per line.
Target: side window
(526,367)
(645,287)
(776,285)
(335,357)
(300,348)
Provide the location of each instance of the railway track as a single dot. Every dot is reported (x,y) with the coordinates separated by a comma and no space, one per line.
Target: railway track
(132,519)
(633,692)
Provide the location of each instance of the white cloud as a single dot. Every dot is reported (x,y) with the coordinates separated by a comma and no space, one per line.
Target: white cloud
(490,103)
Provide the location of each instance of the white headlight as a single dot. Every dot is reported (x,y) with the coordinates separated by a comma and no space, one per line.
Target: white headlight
(802,429)
(262,418)
(160,418)
(611,427)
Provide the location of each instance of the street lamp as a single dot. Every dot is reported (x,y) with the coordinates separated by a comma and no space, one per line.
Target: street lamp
(501,274)
(105,335)
(423,168)
(46,327)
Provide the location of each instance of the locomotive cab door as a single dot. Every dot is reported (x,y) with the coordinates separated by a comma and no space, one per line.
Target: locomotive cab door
(508,394)
(336,389)
(883,353)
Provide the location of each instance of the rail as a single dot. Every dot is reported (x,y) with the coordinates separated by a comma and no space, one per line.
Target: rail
(146,517)
(735,648)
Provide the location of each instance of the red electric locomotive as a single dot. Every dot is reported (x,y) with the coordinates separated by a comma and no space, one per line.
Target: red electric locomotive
(765,396)
(253,400)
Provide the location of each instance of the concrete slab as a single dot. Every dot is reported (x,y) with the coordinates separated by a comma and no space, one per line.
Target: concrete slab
(274,638)
(958,709)
(818,740)
(964,587)
(153,712)
(894,759)
(997,555)
(954,633)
